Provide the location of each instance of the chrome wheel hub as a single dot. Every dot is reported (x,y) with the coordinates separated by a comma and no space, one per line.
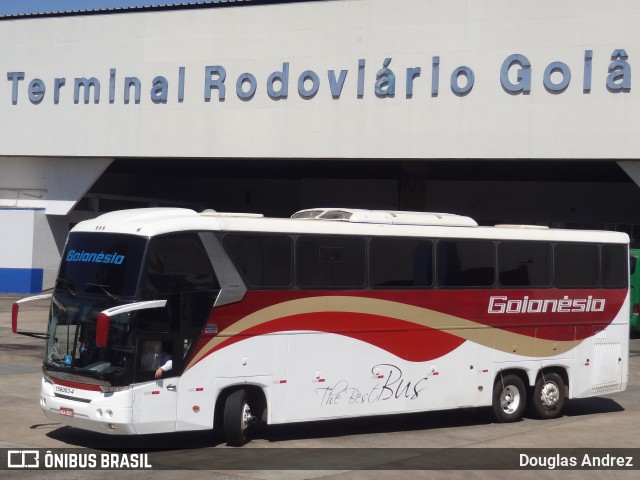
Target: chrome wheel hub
(510,399)
(549,395)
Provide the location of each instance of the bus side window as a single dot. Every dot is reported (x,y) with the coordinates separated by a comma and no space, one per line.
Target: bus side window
(179,270)
(157,352)
(400,262)
(576,265)
(177,263)
(330,262)
(525,264)
(264,261)
(465,263)
(614,266)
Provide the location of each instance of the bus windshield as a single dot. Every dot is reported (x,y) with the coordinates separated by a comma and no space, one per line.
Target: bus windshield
(98,271)
(101,264)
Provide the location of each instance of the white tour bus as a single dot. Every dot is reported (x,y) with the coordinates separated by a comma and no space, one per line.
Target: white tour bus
(333,313)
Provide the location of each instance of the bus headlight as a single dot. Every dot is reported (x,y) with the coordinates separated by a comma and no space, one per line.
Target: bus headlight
(110,389)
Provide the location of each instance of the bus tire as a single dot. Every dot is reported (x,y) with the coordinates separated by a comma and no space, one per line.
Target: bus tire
(548,396)
(509,398)
(237,418)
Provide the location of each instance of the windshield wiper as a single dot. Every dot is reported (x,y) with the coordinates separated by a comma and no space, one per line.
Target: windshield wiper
(104,289)
(67,285)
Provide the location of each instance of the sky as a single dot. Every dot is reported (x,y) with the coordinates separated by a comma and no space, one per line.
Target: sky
(10,7)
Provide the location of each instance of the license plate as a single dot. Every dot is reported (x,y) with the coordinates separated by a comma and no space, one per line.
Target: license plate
(67,412)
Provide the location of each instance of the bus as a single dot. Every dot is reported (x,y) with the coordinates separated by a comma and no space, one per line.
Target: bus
(329,314)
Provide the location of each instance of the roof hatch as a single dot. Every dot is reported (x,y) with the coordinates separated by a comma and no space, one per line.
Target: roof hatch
(385,217)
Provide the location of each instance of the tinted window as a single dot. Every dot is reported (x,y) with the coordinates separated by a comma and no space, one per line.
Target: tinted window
(263,260)
(576,265)
(177,263)
(330,262)
(524,264)
(155,351)
(99,262)
(464,263)
(614,266)
(397,262)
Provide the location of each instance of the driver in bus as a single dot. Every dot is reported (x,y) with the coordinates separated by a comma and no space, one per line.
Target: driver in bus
(157,358)
(165,362)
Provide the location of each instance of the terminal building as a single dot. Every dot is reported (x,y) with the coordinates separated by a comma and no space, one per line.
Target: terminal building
(512,112)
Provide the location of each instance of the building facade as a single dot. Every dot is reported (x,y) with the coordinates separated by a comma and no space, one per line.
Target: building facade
(507,111)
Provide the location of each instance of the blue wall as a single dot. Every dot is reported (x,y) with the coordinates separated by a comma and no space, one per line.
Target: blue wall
(20,280)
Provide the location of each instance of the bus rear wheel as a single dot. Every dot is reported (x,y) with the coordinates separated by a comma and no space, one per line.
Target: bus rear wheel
(237,419)
(548,396)
(509,398)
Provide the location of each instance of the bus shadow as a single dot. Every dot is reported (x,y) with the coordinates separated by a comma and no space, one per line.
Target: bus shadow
(315,430)
(591,406)
(75,437)
(469,417)
(378,424)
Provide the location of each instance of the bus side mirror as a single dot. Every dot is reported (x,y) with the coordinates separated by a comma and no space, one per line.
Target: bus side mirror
(102,330)
(102,324)
(14,317)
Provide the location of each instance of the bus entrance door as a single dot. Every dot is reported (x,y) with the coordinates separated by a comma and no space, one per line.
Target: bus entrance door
(155,405)
(155,399)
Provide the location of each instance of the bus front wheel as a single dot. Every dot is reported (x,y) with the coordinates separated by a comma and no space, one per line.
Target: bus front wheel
(548,396)
(509,398)
(238,418)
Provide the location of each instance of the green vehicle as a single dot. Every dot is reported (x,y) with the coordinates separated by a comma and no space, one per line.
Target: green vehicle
(634,291)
